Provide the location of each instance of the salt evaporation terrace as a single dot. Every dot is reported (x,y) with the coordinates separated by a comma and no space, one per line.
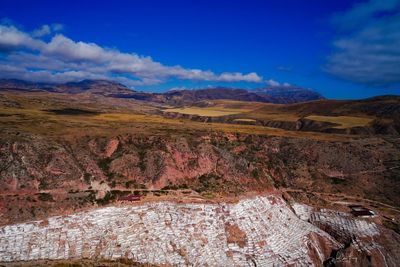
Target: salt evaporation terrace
(180,234)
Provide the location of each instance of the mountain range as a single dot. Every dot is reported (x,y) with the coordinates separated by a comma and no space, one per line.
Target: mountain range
(276,94)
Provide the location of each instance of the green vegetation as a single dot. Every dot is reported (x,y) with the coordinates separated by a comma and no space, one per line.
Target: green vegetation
(45,197)
(209,182)
(175,187)
(108,198)
(87,178)
(104,164)
(336,180)
(42,185)
(255,173)
(142,163)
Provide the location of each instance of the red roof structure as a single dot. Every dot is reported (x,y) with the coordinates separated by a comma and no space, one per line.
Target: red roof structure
(360,211)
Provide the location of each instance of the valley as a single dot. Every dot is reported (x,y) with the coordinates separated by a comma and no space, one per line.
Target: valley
(233,177)
(200,133)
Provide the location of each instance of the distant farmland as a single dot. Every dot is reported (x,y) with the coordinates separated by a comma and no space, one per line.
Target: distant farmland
(208,111)
(343,121)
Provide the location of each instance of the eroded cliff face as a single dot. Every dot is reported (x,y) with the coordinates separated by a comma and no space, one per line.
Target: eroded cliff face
(260,231)
(40,175)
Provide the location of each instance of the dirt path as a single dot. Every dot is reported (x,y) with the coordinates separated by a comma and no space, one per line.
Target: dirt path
(327,196)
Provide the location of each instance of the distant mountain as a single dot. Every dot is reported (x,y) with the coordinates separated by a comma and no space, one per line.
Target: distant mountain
(101,87)
(106,88)
(190,96)
(20,85)
(288,94)
(281,95)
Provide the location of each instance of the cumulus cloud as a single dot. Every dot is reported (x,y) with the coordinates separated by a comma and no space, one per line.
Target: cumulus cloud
(271,82)
(27,56)
(47,29)
(42,31)
(368,48)
(11,38)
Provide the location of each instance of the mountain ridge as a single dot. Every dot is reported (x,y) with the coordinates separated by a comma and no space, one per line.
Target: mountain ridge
(281,95)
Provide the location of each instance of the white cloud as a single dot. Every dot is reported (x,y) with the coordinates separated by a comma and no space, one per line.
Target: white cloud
(368,50)
(271,82)
(11,38)
(42,31)
(47,29)
(362,12)
(63,59)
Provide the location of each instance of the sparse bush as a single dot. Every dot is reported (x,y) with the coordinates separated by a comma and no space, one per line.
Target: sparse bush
(46,197)
(142,164)
(134,184)
(335,180)
(255,173)
(175,187)
(209,182)
(42,185)
(104,164)
(87,178)
(108,198)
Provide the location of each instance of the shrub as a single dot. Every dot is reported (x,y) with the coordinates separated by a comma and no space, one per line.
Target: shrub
(87,177)
(104,164)
(46,197)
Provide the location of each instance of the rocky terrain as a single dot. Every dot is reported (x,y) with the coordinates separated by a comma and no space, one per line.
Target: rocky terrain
(209,191)
(33,166)
(260,231)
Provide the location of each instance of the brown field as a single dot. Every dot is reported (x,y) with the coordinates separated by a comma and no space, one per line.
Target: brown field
(215,111)
(245,120)
(343,121)
(240,110)
(30,113)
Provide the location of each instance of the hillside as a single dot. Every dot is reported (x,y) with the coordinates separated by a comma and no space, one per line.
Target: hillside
(77,154)
(371,116)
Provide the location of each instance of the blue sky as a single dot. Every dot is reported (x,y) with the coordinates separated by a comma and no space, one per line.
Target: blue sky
(342,49)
